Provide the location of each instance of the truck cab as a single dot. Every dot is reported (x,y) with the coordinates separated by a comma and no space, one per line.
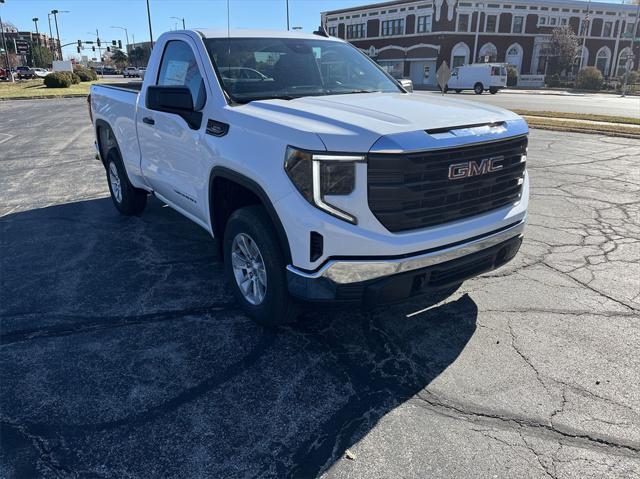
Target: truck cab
(479,77)
(323,179)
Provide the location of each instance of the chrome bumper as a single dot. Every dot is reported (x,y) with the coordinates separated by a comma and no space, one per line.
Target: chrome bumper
(356,271)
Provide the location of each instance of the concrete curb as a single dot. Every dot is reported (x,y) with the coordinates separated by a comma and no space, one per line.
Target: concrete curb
(48,97)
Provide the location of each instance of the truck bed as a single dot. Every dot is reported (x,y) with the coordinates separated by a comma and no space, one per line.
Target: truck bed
(134,86)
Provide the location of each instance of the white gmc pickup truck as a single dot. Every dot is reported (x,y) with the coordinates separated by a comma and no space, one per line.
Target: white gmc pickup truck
(323,178)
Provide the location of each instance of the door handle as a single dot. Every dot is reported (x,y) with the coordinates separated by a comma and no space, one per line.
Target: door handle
(148,121)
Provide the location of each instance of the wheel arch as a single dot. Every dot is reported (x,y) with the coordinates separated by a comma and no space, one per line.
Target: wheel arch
(106,139)
(218,221)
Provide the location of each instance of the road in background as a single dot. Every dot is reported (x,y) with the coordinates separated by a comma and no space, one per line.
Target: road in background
(595,103)
(124,355)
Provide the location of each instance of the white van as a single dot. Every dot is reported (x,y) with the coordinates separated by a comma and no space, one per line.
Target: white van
(478,77)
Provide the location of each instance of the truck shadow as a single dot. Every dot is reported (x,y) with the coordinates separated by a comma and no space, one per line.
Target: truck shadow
(124,353)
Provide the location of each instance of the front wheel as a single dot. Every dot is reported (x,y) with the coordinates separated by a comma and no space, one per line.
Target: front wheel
(478,88)
(256,269)
(458,90)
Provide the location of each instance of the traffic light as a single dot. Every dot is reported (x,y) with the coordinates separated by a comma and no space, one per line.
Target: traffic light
(99,42)
(93,48)
(120,44)
(109,49)
(79,43)
(114,43)
(78,48)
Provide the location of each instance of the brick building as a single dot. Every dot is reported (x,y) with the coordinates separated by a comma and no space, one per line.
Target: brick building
(411,38)
(12,34)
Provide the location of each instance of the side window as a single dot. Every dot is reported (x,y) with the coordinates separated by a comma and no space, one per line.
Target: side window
(179,68)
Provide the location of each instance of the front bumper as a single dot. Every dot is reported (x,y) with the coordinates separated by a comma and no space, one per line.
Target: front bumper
(375,281)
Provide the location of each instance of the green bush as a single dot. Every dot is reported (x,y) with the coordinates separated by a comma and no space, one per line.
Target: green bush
(58,80)
(552,81)
(589,78)
(512,76)
(85,74)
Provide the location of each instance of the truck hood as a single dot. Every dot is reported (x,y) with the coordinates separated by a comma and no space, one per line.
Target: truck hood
(355,122)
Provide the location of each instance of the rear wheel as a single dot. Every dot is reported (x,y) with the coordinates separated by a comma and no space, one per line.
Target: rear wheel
(256,269)
(127,199)
(458,90)
(493,91)
(478,88)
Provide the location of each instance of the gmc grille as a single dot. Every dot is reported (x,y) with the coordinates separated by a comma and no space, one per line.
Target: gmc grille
(411,191)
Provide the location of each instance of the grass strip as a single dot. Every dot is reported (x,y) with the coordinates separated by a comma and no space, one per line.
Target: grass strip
(581,116)
(612,129)
(36,89)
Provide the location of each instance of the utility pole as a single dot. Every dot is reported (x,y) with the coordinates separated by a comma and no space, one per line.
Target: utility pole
(287,15)
(149,19)
(585,27)
(6,52)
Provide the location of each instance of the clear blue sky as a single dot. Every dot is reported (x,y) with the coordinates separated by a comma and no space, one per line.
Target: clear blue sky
(87,15)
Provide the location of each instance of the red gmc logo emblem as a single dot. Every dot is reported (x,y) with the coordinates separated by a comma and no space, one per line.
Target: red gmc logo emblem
(467,169)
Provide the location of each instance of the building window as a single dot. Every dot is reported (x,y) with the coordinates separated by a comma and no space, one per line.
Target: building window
(395,68)
(488,53)
(602,60)
(424,24)
(607,29)
(518,21)
(460,55)
(542,20)
(553,21)
(463,22)
(333,31)
(492,20)
(630,28)
(563,21)
(393,27)
(355,31)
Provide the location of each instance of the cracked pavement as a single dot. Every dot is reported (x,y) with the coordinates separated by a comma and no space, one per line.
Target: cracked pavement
(122,353)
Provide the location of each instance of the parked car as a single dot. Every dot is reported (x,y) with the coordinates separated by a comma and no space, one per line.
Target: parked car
(329,183)
(479,77)
(130,72)
(141,72)
(24,73)
(39,72)
(4,75)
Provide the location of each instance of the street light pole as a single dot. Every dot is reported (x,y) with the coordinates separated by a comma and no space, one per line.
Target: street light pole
(35,20)
(6,52)
(149,19)
(51,37)
(287,15)
(126,34)
(182,19)
(55,17)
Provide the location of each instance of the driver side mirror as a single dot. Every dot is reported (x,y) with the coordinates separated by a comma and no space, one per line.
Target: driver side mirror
(176,100)
(407,84)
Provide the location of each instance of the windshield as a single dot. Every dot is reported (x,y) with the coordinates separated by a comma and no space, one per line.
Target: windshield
(264,68)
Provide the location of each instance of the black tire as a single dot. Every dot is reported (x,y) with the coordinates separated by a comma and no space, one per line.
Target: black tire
(478,88)
(493,91)
(277,308)
(458,90)
(131,200)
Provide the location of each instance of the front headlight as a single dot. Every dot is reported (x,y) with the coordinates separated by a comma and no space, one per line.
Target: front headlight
(321,174)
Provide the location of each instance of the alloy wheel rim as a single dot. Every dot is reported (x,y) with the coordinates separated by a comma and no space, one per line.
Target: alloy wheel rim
(249,268)
(114,179)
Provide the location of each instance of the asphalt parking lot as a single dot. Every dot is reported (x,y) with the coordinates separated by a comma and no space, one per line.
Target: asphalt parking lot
(123,355)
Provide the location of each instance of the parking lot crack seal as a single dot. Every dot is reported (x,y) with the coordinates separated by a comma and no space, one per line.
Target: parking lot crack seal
(579,439)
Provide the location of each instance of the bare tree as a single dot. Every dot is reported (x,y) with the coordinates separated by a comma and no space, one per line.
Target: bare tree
(563,48)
